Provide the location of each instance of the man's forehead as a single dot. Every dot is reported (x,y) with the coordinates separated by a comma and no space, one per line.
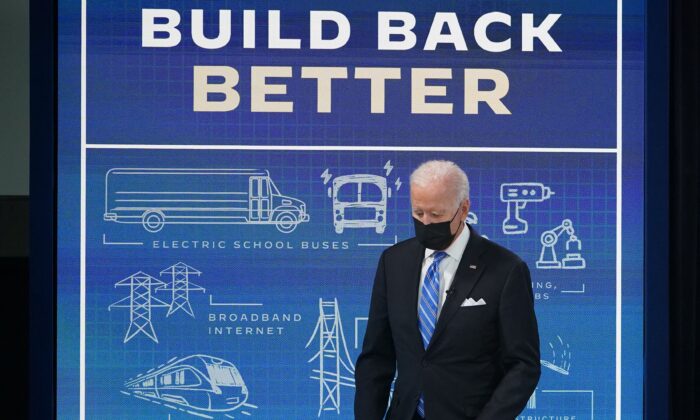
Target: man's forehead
(436,205)
(433,192)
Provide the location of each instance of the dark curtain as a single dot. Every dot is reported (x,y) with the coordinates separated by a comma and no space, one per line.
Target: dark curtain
(14,266)
(684,191)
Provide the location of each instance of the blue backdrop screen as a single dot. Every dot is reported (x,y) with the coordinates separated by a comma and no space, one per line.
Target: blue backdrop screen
(229,173)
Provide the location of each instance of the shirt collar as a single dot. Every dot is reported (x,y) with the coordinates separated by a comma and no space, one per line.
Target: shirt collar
(456,248)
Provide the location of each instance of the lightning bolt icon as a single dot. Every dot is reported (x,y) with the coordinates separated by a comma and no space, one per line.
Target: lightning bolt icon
(388,167)
(326,176)
(398,183)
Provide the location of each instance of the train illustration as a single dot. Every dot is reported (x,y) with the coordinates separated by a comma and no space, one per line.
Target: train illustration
(198,382)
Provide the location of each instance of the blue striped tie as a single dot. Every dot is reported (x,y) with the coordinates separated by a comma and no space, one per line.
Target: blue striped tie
(428,308)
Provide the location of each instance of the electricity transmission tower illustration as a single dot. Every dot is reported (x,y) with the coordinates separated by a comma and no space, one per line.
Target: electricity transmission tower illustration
(180,286)
(140,302)
(332,356)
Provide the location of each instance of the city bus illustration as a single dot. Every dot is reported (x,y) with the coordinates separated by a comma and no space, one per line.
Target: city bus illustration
(359,201)
(199,382)
(155,197)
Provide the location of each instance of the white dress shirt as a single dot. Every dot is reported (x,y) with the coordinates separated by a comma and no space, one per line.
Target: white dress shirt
(448,265)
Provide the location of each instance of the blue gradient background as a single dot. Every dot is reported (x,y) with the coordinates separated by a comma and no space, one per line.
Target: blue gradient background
(138,95)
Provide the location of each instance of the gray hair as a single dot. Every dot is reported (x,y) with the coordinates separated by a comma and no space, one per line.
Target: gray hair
(442,171)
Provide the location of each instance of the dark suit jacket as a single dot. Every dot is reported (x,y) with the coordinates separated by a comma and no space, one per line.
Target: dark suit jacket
(482,361)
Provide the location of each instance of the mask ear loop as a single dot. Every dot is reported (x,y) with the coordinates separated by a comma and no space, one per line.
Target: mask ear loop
(457,212)
(453,218)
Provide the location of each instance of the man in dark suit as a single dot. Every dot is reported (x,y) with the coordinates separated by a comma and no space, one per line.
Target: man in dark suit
(452,313)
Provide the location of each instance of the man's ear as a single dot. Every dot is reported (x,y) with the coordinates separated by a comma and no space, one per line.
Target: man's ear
(465,205)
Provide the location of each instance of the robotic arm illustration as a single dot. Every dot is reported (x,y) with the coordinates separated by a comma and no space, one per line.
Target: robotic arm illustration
(548,256)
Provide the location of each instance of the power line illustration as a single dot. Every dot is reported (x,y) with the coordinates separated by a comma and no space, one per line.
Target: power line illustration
(333,356)
(180,286)
(140,302)
(141,299)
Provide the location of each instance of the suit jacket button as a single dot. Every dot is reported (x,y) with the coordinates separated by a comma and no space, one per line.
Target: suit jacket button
(425,363)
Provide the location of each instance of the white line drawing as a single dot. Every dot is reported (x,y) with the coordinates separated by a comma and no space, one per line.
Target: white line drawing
(574,391)
(326,176)
(398,183)
(357,328)
(106,242)
(472,219)
(196,384)
(85,145)
(212,303)
(582,291)
(140,302)
(141,299)
(155,197)
(532,401)
(180,286)
(548,256)
(359,201)
(326,148)
(332,355)
(561,357)
(396,240)
(516,195)
(388,167)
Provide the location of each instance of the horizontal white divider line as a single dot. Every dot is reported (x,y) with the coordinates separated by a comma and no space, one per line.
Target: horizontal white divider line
(354,148)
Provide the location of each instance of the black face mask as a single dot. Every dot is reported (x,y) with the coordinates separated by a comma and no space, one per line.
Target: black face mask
(436,236)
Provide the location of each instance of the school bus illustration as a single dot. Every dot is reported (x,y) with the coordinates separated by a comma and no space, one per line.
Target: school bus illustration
(155,197)
(359,201)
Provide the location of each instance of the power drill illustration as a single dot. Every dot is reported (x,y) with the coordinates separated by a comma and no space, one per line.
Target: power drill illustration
(517,195)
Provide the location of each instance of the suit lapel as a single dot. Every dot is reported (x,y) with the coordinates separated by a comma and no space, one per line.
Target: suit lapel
(467,275)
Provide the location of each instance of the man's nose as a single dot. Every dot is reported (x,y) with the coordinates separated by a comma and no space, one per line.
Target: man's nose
(427,219)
